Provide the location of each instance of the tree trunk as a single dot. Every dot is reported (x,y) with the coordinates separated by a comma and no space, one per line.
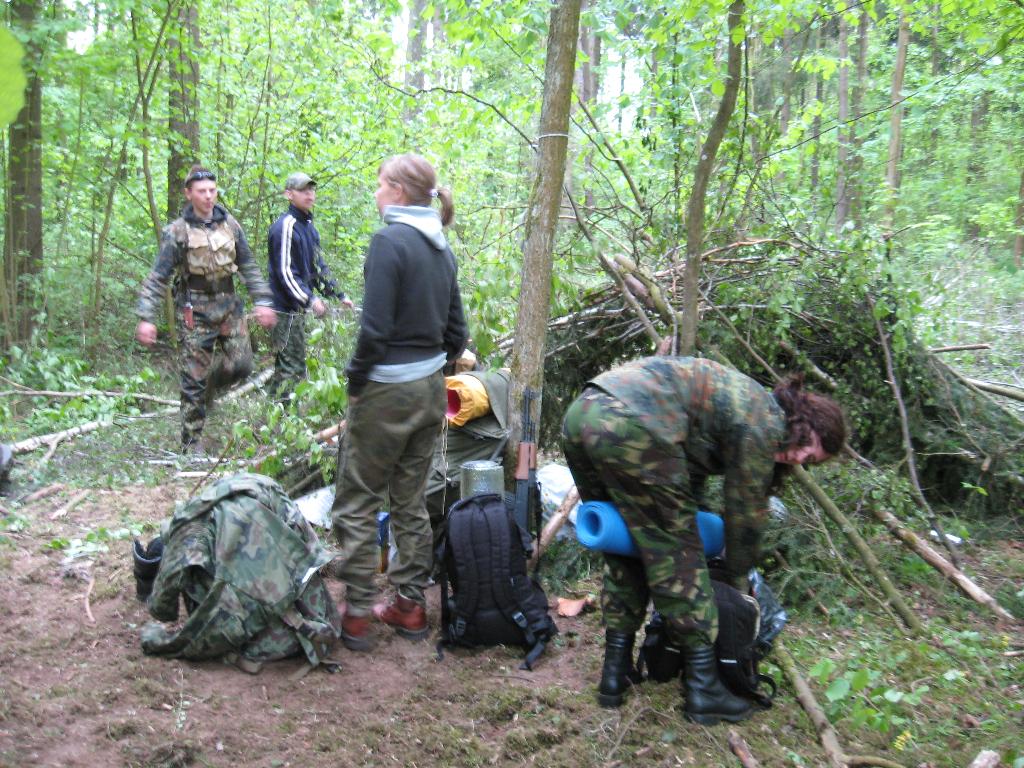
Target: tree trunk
(1018,241)
(819,97)
(786,112)
(701,175)
(23,233)
(843,152)
(587,89)
(542,215)
(856,108)
(182,103)
(892,172)
(976,156)
(415,45)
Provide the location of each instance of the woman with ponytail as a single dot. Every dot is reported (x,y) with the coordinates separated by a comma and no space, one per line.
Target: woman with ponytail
(411,326)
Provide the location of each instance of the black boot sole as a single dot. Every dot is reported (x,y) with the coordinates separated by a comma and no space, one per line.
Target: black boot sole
(715,719)
(610,700)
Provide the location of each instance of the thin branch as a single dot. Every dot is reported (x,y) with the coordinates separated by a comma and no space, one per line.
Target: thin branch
(908,445)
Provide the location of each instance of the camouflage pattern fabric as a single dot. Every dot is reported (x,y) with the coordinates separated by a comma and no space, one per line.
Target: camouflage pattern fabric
(218,319)
(646,436)
(245,560)
(289,341)
(383,464)
(723,422)
(171,260)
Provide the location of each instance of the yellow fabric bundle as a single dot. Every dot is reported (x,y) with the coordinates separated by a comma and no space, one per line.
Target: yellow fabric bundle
(467,399)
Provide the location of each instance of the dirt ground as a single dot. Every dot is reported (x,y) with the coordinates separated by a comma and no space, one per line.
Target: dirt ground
(76,690)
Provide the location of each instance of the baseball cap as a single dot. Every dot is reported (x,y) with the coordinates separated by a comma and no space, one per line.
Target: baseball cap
(299,181)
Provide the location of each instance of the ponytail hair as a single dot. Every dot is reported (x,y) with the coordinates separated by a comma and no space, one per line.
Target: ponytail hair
(807,412)
(418,181)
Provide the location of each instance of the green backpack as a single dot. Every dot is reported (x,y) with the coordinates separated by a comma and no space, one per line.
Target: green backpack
(247,564)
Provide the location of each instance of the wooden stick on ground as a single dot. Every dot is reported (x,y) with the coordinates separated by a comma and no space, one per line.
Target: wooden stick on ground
(741,750)
(826,734)
(72,503)
(42,493)
(927,553)
(87,393)
(959,348)
(88,591)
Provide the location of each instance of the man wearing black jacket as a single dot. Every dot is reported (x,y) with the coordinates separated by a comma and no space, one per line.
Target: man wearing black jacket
(297,268)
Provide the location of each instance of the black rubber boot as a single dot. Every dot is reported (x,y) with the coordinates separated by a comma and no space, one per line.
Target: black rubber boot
(617,672)
(146,561)
(708,701)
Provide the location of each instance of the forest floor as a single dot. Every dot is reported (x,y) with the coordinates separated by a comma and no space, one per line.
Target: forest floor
(76,690)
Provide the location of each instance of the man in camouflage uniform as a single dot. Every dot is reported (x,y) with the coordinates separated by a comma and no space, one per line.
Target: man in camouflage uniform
(203,249)
(296,268)
(645,436)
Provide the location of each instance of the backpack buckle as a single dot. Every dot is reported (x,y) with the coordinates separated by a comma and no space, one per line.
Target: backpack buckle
(520,620)
(460,627)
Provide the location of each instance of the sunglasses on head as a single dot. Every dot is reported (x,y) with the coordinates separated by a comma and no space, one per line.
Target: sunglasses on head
(201,176)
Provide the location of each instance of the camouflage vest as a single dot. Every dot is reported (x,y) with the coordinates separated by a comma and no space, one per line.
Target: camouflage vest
(210,251)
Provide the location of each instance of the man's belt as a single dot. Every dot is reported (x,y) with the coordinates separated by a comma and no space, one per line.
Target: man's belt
(204,285)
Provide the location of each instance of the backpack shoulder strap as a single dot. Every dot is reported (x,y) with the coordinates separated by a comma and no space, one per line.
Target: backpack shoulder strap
(464,518)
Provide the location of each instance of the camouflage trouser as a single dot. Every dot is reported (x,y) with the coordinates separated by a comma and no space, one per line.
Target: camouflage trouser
(613,458)
(217,319)
(289,341)
(386,454)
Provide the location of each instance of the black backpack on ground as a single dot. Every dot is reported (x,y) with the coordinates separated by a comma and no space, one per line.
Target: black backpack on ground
(487,596)
(738,647)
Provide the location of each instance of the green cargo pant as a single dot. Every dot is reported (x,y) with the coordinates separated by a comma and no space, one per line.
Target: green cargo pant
(613,458)
(218,319)
(385,455)
(288,338)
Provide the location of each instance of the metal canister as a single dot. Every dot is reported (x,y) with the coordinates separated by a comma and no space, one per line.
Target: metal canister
(481,476)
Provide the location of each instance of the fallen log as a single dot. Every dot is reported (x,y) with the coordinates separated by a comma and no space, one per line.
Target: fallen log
(86,393)
(997,389)
(34,443)
(927,553)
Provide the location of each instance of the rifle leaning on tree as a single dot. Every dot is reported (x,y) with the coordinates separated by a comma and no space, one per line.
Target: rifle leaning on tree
(527,503)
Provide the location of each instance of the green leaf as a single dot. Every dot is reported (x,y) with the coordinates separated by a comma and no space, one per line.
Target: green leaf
(718,88)
(12,77)
(892,695)
(839,689)
(860,680)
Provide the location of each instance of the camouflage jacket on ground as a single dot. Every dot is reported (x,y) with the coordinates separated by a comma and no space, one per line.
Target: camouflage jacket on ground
(171,262)
(726,423)
(246,562)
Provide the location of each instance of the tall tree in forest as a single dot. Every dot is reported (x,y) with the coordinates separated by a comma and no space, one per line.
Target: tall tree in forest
(855,182)
(182,101)
(892,166)
(1018,241)
(843,154)
(701,175)
(415,46)
(587,88)
(23,230)
(542,210)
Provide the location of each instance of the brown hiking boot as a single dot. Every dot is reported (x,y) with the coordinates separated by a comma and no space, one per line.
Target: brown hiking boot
(355,632)
(407,617)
